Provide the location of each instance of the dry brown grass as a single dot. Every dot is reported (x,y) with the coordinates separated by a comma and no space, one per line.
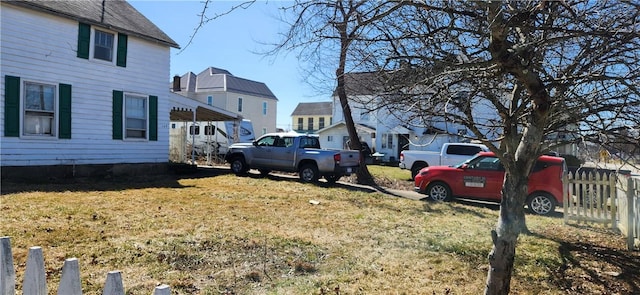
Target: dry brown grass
(221,234)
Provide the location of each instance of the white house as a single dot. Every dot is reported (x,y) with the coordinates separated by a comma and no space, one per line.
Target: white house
(84,85)
(252,100)
(386,132)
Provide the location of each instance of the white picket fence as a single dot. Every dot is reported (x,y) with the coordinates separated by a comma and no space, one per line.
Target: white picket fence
(605,198)
(35,282)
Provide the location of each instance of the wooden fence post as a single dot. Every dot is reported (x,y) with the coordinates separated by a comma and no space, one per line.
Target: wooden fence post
(70,279)
(7,272)
(35,279)
(113,285)
(630,209)
(162,290)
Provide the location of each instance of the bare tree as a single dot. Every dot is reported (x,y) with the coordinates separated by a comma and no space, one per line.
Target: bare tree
(325,31)
(512,72)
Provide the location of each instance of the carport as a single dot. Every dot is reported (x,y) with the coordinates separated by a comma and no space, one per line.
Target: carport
(184,109)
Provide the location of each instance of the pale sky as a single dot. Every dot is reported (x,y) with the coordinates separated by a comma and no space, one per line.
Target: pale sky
(230,43)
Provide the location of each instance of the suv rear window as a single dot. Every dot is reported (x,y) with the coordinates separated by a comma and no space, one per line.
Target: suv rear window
(464,150)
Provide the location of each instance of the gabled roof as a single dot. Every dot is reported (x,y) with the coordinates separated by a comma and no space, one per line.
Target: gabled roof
(363,83)
(214,79)
(342,124)
(187,109)
(313,109)
(117,15)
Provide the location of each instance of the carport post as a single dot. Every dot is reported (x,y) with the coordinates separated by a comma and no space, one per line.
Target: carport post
(193,139)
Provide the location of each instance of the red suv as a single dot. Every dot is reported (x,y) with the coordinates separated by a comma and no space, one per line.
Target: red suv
(481,177)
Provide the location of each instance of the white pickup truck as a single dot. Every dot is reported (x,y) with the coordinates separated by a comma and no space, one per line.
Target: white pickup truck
(450,154)
(292,152)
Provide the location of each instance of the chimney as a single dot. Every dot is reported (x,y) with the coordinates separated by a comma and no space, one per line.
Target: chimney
(176,84)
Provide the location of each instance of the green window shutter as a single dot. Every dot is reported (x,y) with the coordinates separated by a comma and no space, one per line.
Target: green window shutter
(11,106)
(64,123)
(117,114)
(153,118)
(121,57)
(84,40)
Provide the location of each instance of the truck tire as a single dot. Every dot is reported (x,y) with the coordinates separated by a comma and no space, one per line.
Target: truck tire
(239,166)
(439,191)
(264,172)
(332,178)
(416,169)
(309,173)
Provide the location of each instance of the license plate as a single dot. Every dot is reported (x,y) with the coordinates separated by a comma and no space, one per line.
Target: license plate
(348,170)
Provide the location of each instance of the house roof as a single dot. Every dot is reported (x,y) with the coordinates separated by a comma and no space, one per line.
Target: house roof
(364,83)
(342,124)
(313,109)
(184,109)
(215,79)
(117,15)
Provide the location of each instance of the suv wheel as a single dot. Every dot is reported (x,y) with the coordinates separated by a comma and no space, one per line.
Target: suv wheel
(439,191)
(541,203)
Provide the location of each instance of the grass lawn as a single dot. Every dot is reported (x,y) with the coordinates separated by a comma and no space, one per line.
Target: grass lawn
(215,233)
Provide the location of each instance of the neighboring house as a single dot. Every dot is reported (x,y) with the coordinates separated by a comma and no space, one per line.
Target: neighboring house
(83,89)
(309,117)
(219,88)
(385,132)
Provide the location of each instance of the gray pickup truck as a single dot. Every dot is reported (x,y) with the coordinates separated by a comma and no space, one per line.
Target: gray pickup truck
(292,152)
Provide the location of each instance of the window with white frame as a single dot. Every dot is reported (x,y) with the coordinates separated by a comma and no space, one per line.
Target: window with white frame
(39,109)
(264,108)
(135,116)
(239,104)
(300,123)
(103,45)
(321,123)
(210,100)
(383,142)
(330,138)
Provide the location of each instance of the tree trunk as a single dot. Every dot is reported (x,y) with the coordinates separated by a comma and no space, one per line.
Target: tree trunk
(363,175)
(510,223)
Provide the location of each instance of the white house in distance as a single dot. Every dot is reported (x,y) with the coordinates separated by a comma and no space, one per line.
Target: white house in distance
(84,90)
(251,100)
(385,133)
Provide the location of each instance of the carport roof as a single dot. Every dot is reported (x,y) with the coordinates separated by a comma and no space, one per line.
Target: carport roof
(182,109)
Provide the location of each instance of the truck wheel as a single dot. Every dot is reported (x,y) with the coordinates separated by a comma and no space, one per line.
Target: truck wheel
(332,178)
(309,173)
(416,169)
(238,166)
(439,191)
(541,203)
(264,172)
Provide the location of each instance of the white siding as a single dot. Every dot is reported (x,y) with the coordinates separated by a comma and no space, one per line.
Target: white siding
(251,108)
(37,46)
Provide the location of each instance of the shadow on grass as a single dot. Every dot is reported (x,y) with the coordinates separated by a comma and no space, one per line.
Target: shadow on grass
(590,267)
(488,205)
(168,180)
